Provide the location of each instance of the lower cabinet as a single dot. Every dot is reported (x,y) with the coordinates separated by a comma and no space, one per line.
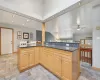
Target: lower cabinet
(23,64)
(31,59)
(66,69)
(57,64)
(57,61)
(43,59)
(50,61)
(26,59)
(37,55)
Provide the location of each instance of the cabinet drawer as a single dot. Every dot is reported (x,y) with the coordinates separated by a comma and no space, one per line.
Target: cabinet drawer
(24,51)
(27,51)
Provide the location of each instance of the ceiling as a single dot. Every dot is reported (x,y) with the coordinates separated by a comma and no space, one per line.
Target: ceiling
(38,9)
(30,13)
(16,20)
(66,25)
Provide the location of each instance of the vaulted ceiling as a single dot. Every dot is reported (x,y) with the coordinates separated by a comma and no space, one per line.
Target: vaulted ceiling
(38,9)
(7,18)
(30,13)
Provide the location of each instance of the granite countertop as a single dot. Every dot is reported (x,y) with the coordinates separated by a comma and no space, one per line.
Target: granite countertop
(71,49)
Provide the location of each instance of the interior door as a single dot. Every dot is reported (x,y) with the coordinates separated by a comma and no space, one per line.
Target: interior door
(6,41)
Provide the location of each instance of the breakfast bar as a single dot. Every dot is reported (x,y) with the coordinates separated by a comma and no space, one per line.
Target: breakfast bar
(62,61)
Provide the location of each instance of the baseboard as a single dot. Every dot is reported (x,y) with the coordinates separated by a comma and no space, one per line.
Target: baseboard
(97,69)
(15,52)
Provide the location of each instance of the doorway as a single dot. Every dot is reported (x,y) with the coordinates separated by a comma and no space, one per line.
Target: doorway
(6,41)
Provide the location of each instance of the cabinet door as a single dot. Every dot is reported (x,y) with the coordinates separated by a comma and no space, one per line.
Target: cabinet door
(41,55)
(31,58)
(43,59)
(37,51)
(66,69)
(49,61)
(57,65)
(24,58)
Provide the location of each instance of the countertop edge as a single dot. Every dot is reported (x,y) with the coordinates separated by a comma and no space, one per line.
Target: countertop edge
(51,47)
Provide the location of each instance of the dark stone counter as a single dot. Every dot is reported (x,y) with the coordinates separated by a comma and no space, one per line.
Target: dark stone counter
(71,49)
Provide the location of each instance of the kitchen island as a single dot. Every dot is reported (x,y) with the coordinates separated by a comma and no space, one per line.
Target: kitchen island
(62,61)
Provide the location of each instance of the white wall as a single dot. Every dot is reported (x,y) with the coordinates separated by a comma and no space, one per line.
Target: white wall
(77,37)
(32,8)
(90,17)
(54,6)
(96,37)
(19,28)
(6,19)
(66,25)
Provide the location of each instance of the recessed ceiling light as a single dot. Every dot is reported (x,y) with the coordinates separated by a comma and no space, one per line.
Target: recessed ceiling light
(27,20)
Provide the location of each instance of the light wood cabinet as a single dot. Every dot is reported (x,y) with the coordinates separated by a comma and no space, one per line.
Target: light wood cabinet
(43,58)
(37,55)
(26,58)
(57,64)
(24,61)
(50,61)
(62,63)
(31,59)
(66,69)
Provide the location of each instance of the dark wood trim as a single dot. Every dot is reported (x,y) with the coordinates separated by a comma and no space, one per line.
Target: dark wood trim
(12,38)
(24,34)
(0,41)
(88,53)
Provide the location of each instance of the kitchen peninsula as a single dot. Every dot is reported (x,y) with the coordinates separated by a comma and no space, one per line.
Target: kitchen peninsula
(60,60)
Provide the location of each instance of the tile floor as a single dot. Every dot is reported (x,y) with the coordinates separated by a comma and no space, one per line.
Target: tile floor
(9,71)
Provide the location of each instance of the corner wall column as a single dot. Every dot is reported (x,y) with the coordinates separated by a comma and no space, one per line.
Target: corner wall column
(43,33)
